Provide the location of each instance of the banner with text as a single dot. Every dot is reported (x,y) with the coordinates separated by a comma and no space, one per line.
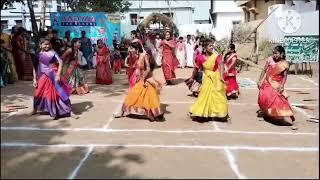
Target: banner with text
(301,49)
(97,25)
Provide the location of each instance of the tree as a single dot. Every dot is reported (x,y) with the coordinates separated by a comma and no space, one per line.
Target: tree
(33,18)
(6,3)
(109,6)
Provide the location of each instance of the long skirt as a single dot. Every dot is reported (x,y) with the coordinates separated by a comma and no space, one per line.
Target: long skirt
(142,100)
(117,65)
(47,97)
(212,99)
(103,73)
(76,78)
(232,85)
(273,103)
(169,64)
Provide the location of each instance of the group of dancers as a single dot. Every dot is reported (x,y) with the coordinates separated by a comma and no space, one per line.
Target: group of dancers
(213,80)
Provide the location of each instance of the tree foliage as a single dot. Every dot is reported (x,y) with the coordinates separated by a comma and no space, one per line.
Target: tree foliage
(109,6)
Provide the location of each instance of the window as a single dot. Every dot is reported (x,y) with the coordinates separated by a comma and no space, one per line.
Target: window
(35,5)
(58,8)
(306,1)
(317,5)
(18,23)
(4,24)
(134,19)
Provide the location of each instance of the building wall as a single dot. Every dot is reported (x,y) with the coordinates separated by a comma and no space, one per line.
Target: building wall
(6,15)
(225,6)
(262,7)
(225,21)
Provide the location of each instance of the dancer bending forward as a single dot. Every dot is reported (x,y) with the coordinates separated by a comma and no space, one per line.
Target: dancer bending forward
(143,98)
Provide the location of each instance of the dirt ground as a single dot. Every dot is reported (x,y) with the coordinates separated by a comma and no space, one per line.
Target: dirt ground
(98,146)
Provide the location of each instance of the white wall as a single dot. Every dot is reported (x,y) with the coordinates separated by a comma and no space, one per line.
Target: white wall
(224,23)
(225,6)
(11,17)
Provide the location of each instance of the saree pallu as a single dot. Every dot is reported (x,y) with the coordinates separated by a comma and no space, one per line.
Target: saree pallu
(51,96)
(272,102)
(142,100)
(212,99)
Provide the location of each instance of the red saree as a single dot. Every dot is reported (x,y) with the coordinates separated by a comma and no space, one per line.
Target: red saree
(103,69)
(272,102)
(169,61)
(230,75)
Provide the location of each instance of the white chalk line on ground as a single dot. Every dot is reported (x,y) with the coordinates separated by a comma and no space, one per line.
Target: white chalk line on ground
(106,126)
(178,146)
(303,112)
(233,164)
(74,173)
(309,80)
(153,130)
(190,102)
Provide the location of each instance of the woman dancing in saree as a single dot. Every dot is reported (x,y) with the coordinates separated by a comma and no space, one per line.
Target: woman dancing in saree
(74,75)
(272,98)
(143,98)
(212,99)
(52,92)
(169,60)
(231,73)
(103,72)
